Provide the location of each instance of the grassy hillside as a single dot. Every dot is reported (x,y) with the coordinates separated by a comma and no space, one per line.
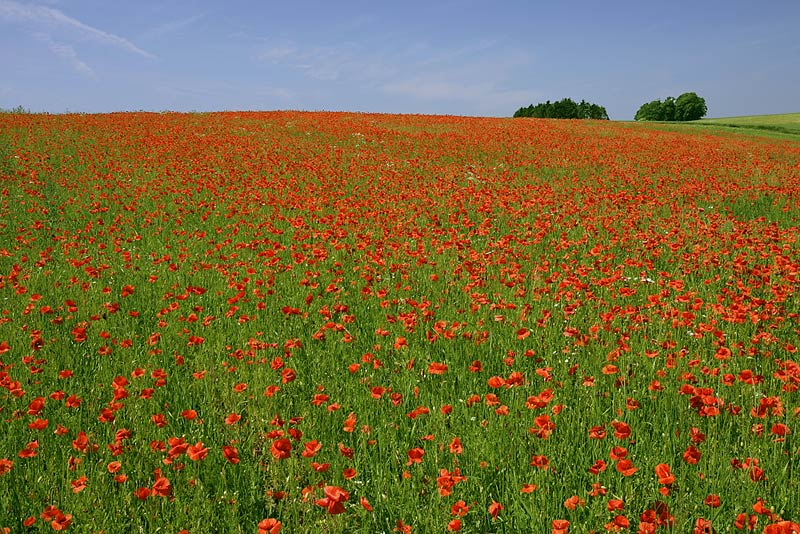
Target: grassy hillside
(785,125)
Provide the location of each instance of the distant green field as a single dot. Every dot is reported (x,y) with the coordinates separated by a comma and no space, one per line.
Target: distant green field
(785,125)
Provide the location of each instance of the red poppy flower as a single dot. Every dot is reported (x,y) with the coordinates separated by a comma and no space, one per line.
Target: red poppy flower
(365,504)
(288,375)
(231,454)
(597,432)
(61,521)
(618,453)
(36,406)
(113,467)
(747,521)
(692,455)
(350,423)
(544,426)
(349,473)
(621,430)
(494,509)
(780,430)
(619,522)
(159,420)
(415,456)
(30,450)
(38,424)
(347,452)
(281,449)
(664,474)
(177,446)
(142,493)
(760,507)
(311,448)
(436,368)
(334,497)
(625,467)
(162,487)
(560,526)
(189,415)
(232,419)
(609,369)
(573,502)
(5,465)
(320,468)
(496,382)
(614,505)
(269,526)
(79,485)
(476,366)
(598,467)
(459,509)
(703,526)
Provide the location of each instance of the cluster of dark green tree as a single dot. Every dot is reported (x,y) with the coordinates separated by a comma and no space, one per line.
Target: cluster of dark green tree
(563,109)
(687,107)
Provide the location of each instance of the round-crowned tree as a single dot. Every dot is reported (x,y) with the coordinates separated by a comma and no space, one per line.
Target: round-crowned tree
(690,107)
(687,107)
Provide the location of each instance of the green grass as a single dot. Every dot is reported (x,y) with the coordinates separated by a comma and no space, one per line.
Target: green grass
(782,126)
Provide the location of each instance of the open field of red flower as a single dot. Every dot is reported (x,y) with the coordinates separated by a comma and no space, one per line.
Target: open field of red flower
(313,322)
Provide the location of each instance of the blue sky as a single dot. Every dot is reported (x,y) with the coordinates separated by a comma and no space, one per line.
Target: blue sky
(460,57)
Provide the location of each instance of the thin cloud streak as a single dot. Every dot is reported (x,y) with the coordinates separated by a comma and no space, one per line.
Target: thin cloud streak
(484,96)
(173,26)
(324,63)
(67,53)
(352,62)
(41,15)
(419,71)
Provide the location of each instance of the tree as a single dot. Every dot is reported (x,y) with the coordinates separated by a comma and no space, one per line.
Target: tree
(668,109)
(597,113)
(687,107)
(563,109)
(650,111)
(690,107)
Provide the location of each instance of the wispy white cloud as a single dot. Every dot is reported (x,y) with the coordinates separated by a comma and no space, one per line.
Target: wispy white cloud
(449,55)
(220,91)
(324,63)
(478,74)
(67,53)
(173,26)
(278,53)
(483,96)
(48,17)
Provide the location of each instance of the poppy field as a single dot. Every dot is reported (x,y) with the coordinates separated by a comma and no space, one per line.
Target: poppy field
(333,322)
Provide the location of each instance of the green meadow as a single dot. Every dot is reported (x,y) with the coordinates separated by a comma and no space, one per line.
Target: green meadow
(781,126)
